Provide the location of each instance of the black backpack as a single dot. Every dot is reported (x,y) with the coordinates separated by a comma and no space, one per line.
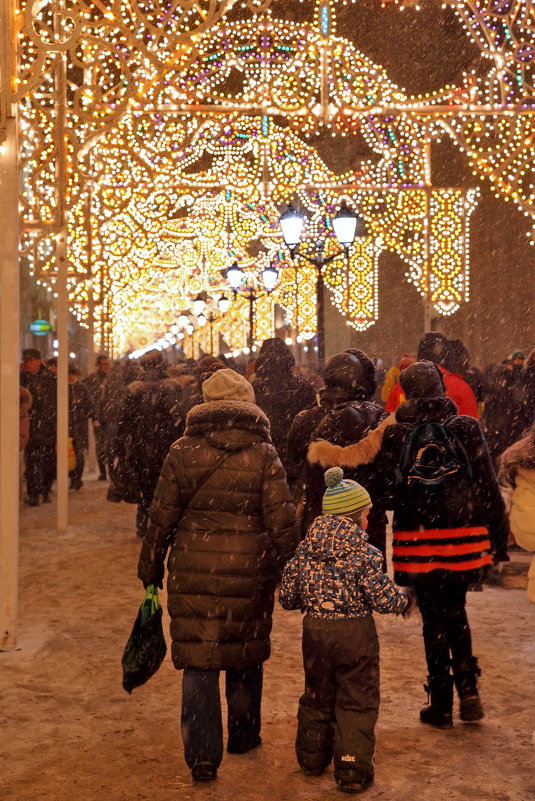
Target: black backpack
(431,457)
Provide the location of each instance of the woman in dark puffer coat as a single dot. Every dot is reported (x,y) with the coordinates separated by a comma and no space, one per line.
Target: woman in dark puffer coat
(346,413)
(442,542)
(227,543)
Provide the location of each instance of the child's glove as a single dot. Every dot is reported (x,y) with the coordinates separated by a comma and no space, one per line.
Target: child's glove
(411,603)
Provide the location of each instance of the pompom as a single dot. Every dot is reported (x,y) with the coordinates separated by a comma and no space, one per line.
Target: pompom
(333,475)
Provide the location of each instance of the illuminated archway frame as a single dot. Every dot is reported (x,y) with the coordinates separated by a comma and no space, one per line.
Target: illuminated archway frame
(93,112)
(150,243)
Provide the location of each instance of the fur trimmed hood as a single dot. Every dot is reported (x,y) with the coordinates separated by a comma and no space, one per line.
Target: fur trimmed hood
(520,455)
(327,455)
(226,424)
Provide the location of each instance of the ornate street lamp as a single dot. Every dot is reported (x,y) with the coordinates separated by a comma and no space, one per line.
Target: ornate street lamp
(234,276)
(347,225)
(198,304)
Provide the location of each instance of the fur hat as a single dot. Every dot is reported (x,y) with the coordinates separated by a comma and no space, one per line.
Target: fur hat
(352,371)
(422,380)
(227,384)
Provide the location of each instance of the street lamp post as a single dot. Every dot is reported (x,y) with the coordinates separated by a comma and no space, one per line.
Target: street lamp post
(346,226)
(205,311)
(234,275)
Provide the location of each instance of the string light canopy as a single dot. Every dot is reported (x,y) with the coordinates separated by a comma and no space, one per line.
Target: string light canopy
(174,164)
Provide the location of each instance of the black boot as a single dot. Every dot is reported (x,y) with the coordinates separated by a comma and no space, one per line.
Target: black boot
(465,675)
(440,693)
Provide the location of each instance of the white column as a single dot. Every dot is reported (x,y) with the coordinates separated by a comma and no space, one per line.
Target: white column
(9,347)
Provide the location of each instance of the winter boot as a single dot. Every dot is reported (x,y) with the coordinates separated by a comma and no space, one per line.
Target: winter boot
(465,675)
(440,693)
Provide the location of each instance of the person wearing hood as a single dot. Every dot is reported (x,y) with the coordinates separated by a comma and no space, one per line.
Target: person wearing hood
(517,478)
(442,539)
(149,422)
(223,508)
(345,415)
(336,579)
(434,347)
(280,394)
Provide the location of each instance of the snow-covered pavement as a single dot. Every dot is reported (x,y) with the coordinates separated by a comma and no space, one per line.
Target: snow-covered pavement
(69,732)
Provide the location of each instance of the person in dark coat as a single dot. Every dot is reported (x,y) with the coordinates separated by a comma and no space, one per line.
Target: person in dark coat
(81,410)
(223,507)
(345,414)
(528,379)
(280,394)
(504,419)
(95,384)
(40,451)
(114,393)
(441,543)
(149,422)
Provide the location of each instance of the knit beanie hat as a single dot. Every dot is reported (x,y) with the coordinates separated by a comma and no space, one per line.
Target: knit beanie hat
(227,384)
(343,496)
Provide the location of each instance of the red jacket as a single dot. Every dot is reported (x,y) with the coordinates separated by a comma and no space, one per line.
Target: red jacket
(456,388)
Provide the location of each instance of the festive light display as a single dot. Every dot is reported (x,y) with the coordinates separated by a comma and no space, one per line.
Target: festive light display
(165,122)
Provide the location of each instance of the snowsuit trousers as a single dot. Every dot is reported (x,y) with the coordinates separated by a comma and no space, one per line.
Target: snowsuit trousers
(201,721)
(339,708)
(40,462)
(446,631)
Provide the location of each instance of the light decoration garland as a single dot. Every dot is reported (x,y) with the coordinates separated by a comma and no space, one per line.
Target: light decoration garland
(166,104)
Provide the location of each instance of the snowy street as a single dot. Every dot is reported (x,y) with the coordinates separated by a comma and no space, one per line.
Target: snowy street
(71,733)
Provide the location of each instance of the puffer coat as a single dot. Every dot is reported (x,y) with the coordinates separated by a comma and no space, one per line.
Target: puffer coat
(226,543)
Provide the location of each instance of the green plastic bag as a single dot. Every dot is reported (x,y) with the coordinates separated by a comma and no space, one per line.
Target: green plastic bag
(146,647)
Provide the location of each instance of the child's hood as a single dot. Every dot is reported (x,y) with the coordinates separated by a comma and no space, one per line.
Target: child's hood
(332,537)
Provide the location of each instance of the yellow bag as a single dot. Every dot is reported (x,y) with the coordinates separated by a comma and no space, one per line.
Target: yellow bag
(71,454)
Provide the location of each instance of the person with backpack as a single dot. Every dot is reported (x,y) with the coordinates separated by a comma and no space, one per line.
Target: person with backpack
(434,470)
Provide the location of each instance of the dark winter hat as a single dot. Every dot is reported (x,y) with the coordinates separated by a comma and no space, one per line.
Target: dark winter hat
(274,357)
(31,353)
(152,358)
(432,347)
(457,359)
(518,354)
(352,371)
(422,379)
(73,370)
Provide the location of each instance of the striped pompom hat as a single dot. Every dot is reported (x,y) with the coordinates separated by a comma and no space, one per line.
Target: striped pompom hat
(343,496)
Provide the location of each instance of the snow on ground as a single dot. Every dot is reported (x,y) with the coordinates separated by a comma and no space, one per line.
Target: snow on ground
(69,732)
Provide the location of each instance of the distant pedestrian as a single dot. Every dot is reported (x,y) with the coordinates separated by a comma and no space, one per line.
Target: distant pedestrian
(280,394)
(433,347)
(95,384)
(40,451)
(150,421)
(336,579)
(81,410)
(223,508)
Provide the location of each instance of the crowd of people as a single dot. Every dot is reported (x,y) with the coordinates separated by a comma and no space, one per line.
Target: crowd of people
(240,480)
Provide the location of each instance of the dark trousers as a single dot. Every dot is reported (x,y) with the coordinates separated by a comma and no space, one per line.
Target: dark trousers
(143,507)
(339,708)
(100,447)
(446,631)
(201,721)
(40,467)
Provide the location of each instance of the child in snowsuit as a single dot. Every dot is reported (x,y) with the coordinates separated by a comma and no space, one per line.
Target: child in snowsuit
(336,578)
